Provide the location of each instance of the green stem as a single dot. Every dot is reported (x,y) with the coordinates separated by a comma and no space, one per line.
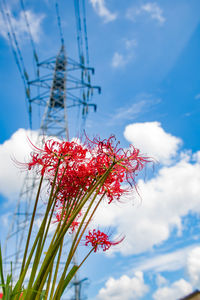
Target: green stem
(70,275)
(54,248)
(86,257)
(41,231)
(48,283)
(48,225)
(87,223)
(56,271)
(74,246)
(31,224)
(37,293)
(1,272)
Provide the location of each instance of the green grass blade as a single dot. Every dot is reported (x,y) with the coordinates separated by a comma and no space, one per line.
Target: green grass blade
(1,272)
(69,277)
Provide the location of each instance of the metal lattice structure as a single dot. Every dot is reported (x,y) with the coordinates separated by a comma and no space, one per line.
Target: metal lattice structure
(58,94)
(61,85)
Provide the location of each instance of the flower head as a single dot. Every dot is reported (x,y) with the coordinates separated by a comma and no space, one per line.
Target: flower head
(47,158)
(61,217)
(125,165)
(98,239)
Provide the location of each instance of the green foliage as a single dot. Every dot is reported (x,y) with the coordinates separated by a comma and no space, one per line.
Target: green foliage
(6,286)
(69,277)
(1,272)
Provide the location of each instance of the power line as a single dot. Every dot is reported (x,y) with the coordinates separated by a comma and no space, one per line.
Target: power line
(13,35)
(35,56)
(85,32)
(16,51)
(59,23)
(79,31)
(29,31)
(51,93)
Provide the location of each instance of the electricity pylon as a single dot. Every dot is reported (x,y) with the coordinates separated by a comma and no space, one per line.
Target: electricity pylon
(58,93)
(61,84)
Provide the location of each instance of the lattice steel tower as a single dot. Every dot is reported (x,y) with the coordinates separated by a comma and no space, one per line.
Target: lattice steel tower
(61,84)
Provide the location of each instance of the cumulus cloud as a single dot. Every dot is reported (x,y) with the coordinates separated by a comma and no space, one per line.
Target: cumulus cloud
(176,290)
(164,203)
(150,221)
(193,266)
(151,139)
(101,9)
(125,288)
(17,146)
(20,27)
(150,8)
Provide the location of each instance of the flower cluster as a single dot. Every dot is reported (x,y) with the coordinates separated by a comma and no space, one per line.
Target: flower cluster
(80,176)
(80,165)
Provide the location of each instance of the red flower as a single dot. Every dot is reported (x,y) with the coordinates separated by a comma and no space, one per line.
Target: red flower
(1,296)
(82,165)
(54,151)
(99,239)
(74,224)
(126,165)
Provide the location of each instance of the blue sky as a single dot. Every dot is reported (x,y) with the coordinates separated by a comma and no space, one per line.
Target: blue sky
(146,58)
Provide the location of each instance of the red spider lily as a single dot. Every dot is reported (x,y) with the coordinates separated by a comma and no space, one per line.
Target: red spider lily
(61,217)
(53,152)
(79,177)
(76,177)
(80,165)
(126,165)
(131,160)
(98,239)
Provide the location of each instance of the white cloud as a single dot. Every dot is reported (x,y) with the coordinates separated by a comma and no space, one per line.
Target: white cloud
(129,44)
(170,261)
(196,156)
(125,288)
(193,265)
(119,60)
(151,139)
(141,104)
(164,203)
(160,280)
(11,177)
(154,11)
(132,111)
(20,27)
(101,9)
(122,58)
(151,9)
(176,290)
(5,219)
